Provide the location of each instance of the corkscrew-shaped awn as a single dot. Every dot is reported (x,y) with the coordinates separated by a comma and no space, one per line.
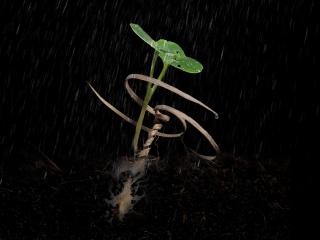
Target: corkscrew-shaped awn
(183,118)
(134,168)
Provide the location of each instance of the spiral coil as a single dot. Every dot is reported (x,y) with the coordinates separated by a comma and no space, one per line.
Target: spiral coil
(155,130)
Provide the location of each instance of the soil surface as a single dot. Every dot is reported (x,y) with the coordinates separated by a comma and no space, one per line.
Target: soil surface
(234,198)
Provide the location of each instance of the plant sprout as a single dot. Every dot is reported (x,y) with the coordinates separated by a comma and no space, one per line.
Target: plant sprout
(171,54)
(128,171)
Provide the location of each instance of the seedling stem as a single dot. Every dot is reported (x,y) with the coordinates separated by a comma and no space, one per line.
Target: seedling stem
(149,93)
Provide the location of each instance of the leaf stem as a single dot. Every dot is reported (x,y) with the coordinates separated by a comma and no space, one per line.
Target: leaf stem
(153,63)
(149,93)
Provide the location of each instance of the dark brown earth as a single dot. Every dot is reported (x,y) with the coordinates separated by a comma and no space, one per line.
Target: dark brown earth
(235,198)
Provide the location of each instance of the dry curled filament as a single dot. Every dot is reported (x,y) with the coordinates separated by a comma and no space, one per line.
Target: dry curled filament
(183,118)
(129,171)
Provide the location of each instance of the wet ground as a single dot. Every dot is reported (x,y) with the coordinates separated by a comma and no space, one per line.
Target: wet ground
(235,198)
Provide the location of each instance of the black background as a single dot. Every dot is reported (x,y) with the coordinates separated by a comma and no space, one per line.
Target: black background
(258,58)
(259,62)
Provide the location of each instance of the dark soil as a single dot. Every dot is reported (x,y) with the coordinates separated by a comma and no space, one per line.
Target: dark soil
(236,198)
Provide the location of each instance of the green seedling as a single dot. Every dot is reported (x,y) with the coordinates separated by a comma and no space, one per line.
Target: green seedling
(129,170)
(171,54)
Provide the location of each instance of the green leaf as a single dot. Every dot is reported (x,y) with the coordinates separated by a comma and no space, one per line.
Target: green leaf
(184,63)
(165,46)
(142,34)
(187,64)
(170,52)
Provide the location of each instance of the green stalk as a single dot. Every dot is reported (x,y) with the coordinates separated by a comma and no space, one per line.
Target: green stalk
(149,93)
(153,65)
